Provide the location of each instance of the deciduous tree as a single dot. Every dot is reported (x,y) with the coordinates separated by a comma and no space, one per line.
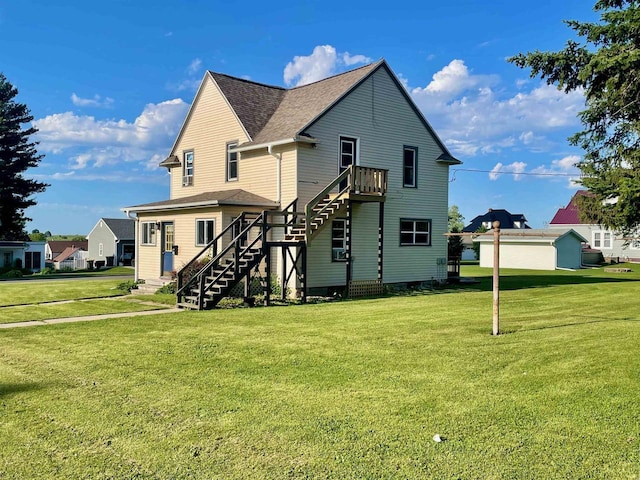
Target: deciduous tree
(605,64)
(17,154)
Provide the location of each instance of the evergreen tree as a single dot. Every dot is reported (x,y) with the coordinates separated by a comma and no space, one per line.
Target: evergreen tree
(17,154)
(455,225)
(606,66)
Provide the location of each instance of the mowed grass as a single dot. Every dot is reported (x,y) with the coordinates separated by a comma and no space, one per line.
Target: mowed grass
(353,389)
(27,292)
(36,300)
(82,308)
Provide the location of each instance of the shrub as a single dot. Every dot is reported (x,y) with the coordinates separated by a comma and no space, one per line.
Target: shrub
(170,288)
(13,274)
(47,271)
(128,286)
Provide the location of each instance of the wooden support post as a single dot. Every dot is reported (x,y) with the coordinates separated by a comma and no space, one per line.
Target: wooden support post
(380,240)
(267,270)
(349,244)
(283,286)
(496,278)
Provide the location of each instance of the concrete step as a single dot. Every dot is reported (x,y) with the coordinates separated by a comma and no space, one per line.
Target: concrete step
(151,286)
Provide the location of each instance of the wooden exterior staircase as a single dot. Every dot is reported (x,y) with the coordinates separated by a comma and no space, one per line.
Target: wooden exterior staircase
(211,275)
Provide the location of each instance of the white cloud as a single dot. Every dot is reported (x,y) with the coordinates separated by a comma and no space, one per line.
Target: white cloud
(515,168)
(562,168)
(473,114)
(323,62)
(349,60)
(94,142)
(96,101)
(194,67)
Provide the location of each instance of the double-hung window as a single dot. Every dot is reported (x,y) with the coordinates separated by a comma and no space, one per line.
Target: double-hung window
(602,239)
(232,162)
(415,231)
(187,169)
(410,167)
(32,260)
(205,231)
(148,233)
(339,240)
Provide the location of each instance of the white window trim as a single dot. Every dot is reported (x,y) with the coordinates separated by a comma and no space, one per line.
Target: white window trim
(231,145)
(205,220)
(153,233)
(603,240)
(100,249)
(187,178)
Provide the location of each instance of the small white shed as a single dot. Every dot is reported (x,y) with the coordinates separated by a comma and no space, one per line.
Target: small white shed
(534,249)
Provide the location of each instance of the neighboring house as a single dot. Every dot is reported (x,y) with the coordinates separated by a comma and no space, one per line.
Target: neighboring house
(28,255)
(53,248)
(341,183)
(507,220)
(74,258)
(112,240)
(598,236)
(534,249)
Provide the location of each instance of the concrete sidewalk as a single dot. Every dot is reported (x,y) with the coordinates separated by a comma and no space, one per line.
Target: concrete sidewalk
(88,318)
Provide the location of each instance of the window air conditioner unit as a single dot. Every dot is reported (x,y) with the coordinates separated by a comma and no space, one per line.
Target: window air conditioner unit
(187,181)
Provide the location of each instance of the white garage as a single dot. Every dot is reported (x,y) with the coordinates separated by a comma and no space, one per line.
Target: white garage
(534,249)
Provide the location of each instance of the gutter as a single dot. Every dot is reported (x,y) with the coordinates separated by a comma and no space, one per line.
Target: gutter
(136,276)
(269,145)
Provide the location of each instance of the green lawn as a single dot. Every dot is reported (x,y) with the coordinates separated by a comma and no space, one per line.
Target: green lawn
(39,291)
(353,389)
(72,309)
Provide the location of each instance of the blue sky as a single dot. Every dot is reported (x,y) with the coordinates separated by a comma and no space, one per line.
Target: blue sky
(109,84)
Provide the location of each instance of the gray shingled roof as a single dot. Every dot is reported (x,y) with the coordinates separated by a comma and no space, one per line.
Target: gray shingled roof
(225,197)
(122,228)
(254,103)
(301,105)
(271,113)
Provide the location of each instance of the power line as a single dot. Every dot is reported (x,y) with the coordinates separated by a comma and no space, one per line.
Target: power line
(506,172)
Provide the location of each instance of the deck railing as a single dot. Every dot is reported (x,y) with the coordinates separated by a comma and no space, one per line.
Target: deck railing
(358,180)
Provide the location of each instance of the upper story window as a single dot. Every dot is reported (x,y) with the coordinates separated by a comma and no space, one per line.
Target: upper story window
(410,167)
(148,233)
(415,231)
(205,230)
(100,249)
(602,239)
(187,169)
(232,162)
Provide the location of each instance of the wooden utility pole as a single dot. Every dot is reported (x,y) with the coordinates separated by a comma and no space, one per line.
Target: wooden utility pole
(496,278)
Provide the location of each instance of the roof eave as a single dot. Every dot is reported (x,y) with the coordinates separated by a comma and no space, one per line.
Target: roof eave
(182,206)
(275,143)
(449,159)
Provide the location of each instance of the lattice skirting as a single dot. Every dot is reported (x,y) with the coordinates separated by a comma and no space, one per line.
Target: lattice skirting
(365,288)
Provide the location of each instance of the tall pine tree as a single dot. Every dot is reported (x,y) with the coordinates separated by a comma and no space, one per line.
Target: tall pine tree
(605,64)
(17,154)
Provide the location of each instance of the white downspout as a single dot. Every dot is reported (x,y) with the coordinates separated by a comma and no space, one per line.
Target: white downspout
(278,157)
(135,245)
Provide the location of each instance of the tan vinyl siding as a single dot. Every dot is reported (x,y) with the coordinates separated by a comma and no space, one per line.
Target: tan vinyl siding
(379,116)
(210,126)
(148,256)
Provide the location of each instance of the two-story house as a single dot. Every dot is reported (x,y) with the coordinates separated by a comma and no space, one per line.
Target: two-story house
(600,238)
(341,183)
